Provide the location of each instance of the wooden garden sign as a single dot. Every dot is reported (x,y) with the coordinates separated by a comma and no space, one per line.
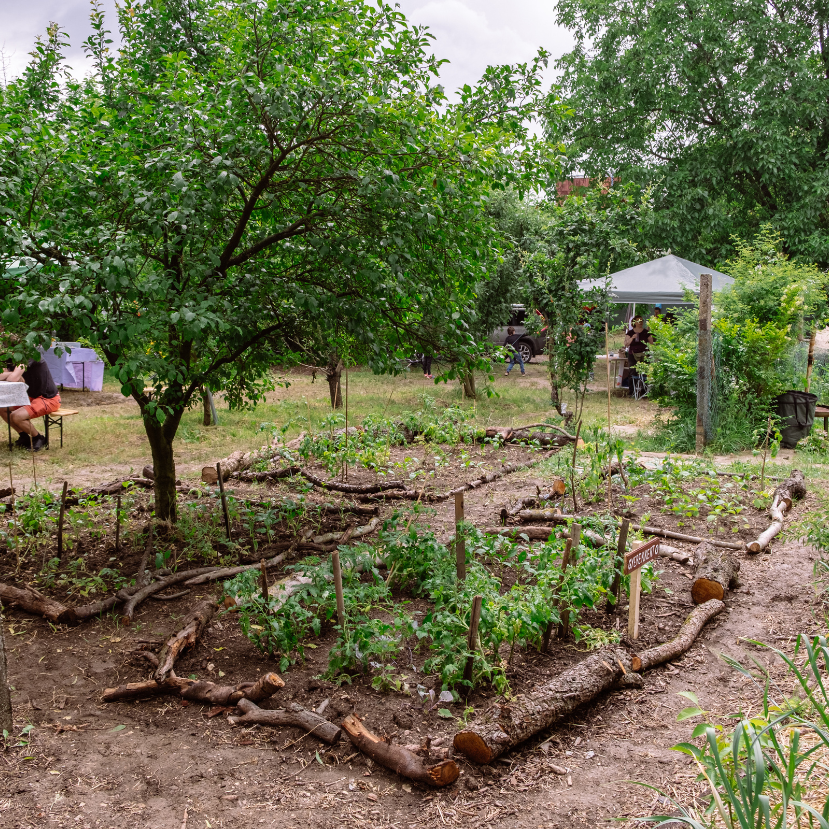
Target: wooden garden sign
(634,561)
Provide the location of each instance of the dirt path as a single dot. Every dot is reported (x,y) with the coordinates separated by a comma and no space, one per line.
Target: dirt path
(148,763)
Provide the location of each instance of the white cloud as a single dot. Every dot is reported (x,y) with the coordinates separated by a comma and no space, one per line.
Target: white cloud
(471,34)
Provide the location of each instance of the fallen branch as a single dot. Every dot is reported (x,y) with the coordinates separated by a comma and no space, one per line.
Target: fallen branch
(507,725)
(691,628)
(292,715)
(793,487)
(273,475)
(397,758)
(228,572)
(338,486)
(197,690)
(359,532)
(32,601)
(235,462)
(190,631)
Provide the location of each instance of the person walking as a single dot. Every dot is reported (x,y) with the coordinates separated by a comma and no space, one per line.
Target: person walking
(511,342)
(426,362)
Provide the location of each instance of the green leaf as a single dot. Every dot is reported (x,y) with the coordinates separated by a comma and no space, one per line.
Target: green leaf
(445,713)
(118,728)
(687,713)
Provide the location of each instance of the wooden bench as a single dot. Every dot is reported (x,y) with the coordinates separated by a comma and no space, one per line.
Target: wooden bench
(56,419)
(823,411)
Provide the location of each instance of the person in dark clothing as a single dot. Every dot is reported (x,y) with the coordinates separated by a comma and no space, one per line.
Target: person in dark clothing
(426,362)
(637,340)
(511,342)
(43,399)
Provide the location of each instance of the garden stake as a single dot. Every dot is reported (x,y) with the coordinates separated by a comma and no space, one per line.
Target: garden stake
(60,520)
(615,588)
(11,484)
(264,581)
(34,468)
(570,552)
(765,449)
(573,470)
(117,525)
(555,600)
(564,615)
(471,640)
(460,542)
(338,588)
(345,454)
(224,499)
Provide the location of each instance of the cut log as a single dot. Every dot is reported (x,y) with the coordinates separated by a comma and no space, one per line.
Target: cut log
(793,487)
(292,715)
(688,633)
(397,758)
(504,726)
(117,486)
(715,571)
(32,601)
(234,462)
(196,690)
(507,725)
(186,637)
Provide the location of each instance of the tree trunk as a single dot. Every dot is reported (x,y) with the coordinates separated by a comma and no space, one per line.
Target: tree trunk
(716,570)
(5,696)
(333,373)
(164,465)
(468,381)
(207,414)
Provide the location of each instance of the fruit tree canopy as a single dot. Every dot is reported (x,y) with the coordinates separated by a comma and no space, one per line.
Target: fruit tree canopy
(660,280)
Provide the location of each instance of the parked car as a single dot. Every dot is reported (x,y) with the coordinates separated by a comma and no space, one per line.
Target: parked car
(528,345)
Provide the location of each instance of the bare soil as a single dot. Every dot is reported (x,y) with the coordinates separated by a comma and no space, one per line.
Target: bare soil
(163,762)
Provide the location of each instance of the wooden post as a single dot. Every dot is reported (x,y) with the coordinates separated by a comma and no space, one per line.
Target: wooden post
(213,416)
(264,581)
(570,554)
(573,469)
(460,543)
(810,362)
(614,594)
(345,456)
(118,524)
(633,610)
(338,588)
(609,457)
(472,638)
(704,354)
(765,450)
(224,499)
(34,466)
(60,520)
(5,695)
(14,511)
(556,599)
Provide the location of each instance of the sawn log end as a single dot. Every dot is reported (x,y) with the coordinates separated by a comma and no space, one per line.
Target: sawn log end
(472,746)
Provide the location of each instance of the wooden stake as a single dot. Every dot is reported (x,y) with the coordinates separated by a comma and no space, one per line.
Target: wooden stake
(472,639)
(570,553)
(224,499)
(14,511)
(460,542)
(704,355)
(633,612)
(60,520)
(556,598)
(765,450)
(338,588)
(573,469)
(345,456)
(5,696)
(117,525)
(614,594)
(34,467)
(811,358)
(264,581)
(609,458)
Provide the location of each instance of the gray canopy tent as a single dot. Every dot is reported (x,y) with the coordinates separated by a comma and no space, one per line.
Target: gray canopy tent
(662,280)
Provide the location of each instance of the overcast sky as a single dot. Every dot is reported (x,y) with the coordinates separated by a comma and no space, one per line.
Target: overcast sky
(471,34)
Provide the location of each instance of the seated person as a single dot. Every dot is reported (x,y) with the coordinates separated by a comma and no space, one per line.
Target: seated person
(637,339)
(43,399)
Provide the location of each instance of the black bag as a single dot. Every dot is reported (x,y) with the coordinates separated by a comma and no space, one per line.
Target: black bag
(797,414)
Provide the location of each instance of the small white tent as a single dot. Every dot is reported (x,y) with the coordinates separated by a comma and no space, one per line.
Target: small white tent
(661,280)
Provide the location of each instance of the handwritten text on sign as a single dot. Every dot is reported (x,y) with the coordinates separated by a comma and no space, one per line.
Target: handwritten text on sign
(641,555)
